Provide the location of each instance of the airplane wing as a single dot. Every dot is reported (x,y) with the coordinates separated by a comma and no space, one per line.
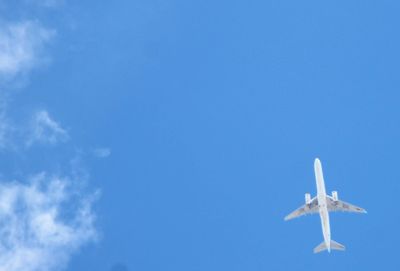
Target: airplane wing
(305,209)
(335,206)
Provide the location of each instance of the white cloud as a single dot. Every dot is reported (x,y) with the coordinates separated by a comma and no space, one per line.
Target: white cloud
(102,152)
(42,224)
(21,46)
(45,130)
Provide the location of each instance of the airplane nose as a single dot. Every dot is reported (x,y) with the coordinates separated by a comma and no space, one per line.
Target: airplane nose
(317,163)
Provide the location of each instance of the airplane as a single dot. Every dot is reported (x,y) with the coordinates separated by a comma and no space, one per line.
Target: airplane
(323,204)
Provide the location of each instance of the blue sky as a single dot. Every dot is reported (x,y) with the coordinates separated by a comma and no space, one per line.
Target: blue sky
(187,130)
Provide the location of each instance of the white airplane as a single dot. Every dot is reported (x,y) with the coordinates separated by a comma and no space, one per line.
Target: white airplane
(323,204)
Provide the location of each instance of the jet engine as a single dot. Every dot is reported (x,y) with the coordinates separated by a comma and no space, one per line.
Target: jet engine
(335,196)
(307,197)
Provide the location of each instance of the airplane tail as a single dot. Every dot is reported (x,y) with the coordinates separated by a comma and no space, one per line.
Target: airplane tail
(334,246)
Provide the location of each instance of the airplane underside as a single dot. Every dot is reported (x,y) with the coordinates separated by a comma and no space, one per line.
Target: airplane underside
(323,204)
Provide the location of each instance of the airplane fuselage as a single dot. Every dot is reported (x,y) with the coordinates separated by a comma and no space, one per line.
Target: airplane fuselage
(322,205)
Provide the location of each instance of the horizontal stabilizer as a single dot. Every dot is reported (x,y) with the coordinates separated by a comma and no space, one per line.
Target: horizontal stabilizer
(334,246)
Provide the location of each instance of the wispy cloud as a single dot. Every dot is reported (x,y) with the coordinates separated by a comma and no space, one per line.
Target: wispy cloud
(44,220)
(102,152)
(36,231)
(46,130)
(21,46)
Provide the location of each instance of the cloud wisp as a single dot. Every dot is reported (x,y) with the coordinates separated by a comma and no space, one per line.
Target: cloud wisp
(21,47)
(102,152)
(46,130)
(42,224)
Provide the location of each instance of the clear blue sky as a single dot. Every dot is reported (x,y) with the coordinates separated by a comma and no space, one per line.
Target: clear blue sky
(214,112)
